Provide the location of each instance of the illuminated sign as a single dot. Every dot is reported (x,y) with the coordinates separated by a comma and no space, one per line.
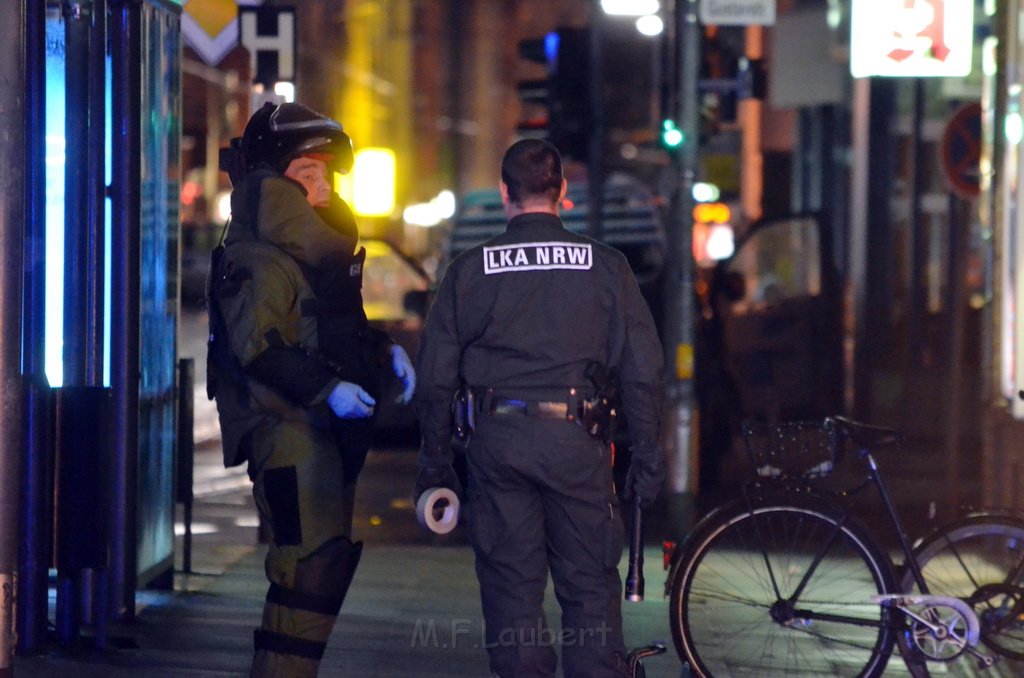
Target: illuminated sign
(210,27)
(737,12)
(911,38)
(269,35)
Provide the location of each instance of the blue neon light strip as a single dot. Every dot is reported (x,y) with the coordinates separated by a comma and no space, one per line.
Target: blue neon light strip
(55,167)
(55,161)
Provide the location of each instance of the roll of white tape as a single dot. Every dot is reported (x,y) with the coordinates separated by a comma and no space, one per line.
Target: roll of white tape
(438,510)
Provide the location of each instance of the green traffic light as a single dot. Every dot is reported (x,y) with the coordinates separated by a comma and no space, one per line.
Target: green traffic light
(671,136)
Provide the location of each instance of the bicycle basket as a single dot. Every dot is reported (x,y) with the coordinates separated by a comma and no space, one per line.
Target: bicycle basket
(793,449)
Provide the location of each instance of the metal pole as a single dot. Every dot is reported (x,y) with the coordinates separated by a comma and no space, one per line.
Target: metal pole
(97,192)
(596,134)
(679,320)
(77,228)
(36,509)
(126,58)
(12,218)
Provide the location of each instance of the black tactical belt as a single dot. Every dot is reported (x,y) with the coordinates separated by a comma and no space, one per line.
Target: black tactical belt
(545,409)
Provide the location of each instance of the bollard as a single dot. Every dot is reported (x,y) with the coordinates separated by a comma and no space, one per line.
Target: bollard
(185,457)
(81,505)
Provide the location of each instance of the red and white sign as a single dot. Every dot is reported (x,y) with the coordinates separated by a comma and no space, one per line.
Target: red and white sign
(961,151)
(911,38)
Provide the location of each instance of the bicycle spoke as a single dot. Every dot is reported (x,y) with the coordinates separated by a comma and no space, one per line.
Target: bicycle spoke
(979,561)
(735,610)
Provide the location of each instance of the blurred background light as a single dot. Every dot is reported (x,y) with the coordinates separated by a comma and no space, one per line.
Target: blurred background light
(650,24)
(373,182)
(630,7)
(285,90)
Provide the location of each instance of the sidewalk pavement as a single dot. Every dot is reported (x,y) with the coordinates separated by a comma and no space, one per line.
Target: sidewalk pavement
(413,609)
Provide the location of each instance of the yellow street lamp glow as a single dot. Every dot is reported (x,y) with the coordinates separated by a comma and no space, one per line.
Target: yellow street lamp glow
(373,182)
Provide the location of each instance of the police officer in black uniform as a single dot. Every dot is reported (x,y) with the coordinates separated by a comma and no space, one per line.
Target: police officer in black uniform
(297,370)
(522,322)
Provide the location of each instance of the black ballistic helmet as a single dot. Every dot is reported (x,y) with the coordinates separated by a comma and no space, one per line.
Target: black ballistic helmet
(277,134)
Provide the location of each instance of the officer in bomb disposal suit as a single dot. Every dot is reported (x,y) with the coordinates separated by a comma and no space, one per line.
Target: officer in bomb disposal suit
(296,370)
(522,322)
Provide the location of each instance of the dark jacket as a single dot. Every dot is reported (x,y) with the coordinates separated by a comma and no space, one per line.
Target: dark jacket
(530,309)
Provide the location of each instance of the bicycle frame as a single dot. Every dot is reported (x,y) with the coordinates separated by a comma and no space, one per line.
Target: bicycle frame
(784,540)
(751,492)
(787,610)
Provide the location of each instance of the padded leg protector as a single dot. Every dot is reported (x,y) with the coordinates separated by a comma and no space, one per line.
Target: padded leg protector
(329,570)
(297,622)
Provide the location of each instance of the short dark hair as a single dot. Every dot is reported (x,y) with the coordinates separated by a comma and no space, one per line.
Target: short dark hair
(532,168)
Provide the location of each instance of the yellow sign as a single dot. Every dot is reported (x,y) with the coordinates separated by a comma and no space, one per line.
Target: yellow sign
(210,27)
(213,16)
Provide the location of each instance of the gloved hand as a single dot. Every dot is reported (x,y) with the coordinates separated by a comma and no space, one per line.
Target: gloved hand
(645,478)
(436,476)
(402,367)
(350,401)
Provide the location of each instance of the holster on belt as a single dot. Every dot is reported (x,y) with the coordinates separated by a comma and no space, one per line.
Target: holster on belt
(597,414)
(463,412)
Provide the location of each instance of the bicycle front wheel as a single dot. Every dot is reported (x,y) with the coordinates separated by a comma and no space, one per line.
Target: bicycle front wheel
(980,560)
(781,591)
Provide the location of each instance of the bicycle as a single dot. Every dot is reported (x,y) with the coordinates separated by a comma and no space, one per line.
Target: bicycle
(786,580)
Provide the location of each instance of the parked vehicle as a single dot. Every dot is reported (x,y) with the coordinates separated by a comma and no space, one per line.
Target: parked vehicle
(769,336)
(781,321)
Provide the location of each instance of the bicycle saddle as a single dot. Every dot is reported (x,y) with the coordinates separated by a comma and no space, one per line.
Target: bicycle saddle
(864,436)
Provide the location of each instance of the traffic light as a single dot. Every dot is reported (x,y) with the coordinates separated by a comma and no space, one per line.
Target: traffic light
(561,106)
(671,136)
(557,107)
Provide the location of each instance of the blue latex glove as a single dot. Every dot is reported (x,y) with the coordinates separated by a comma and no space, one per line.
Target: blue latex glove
(350,401)
(403,369)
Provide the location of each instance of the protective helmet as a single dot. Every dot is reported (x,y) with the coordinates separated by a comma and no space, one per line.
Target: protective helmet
(277,134)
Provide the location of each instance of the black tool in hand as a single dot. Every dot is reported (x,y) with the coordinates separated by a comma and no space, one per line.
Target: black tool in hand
(635,576)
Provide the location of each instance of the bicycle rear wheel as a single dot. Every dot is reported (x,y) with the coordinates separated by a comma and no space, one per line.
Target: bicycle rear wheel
(728,607)
(980,560)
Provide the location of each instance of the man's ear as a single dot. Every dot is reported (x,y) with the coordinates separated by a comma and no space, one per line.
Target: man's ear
(503,189)
(565,188)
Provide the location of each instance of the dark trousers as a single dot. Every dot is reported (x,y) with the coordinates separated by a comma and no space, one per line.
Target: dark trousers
(541,498)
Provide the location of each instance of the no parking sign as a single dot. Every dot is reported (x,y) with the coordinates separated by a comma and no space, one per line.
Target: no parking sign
(961,151)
